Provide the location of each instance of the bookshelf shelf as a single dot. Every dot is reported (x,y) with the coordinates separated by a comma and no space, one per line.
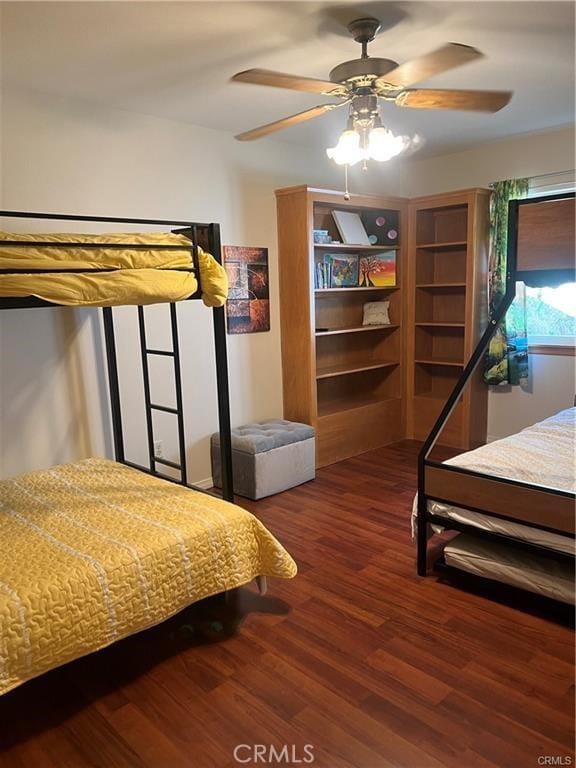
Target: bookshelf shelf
(441,325)
(357,329)
(439,286)
(349,247)
(454,245)
(347,369)
(353,289)
(430,361)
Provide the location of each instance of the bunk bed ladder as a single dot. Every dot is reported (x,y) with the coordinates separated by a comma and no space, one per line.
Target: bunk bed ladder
(178,411)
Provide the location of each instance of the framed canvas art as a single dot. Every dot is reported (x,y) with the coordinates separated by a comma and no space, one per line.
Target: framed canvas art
(248,305)
(378,270)
(344,271)
(350,227)
(382,227)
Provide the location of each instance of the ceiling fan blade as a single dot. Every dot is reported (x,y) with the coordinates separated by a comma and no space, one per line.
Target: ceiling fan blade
(474,101)
(286,122)
(283,80)
(450,56)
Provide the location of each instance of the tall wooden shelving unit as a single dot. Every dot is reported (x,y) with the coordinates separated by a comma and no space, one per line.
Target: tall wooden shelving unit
(364,387)
(447,279)
(347,382)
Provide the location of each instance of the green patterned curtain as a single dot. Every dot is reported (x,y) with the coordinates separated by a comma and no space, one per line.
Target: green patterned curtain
(507,356)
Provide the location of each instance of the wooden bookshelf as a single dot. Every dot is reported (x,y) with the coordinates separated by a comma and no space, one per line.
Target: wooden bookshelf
(362,387)
(347,381)
(447,256)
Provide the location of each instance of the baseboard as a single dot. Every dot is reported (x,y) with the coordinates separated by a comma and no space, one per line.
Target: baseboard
(204,484)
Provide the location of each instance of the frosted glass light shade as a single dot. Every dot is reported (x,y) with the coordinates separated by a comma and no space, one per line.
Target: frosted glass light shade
(348,150)
(383,145)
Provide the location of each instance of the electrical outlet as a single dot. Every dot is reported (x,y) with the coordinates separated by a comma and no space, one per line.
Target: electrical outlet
(158,448)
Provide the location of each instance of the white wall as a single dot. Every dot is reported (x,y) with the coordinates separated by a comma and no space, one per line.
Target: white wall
(71,157)
(74,157)
(553,379)
(551,389)
(519,156)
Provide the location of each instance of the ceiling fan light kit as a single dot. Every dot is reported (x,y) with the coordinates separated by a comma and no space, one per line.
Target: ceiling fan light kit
(367,142)
(361,83)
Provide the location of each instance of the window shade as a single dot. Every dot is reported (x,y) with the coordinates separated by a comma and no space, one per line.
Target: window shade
(545,254)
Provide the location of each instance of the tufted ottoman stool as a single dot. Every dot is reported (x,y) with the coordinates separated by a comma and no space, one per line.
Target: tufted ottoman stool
(268,457)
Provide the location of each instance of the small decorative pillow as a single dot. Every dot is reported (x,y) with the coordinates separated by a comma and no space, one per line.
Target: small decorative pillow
(376,313)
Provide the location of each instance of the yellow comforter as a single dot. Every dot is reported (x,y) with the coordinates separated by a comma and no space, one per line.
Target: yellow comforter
(93,551)
(144,276)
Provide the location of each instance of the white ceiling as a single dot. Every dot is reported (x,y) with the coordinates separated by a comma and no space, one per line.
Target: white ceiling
(174,60)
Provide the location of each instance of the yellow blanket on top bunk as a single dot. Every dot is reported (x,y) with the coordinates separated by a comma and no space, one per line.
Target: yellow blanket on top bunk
(94,551)
(140,276)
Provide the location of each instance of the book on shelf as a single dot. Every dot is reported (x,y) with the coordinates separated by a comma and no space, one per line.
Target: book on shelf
(323,274)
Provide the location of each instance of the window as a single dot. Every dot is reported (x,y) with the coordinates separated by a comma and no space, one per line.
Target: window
(550,315)
(550,312)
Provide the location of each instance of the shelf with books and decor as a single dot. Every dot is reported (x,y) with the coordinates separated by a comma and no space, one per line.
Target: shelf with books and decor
(346,247)
(448,258)
(341,296)
(354,290)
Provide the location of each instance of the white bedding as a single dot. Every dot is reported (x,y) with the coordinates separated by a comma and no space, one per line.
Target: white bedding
(528,570)
(543,454)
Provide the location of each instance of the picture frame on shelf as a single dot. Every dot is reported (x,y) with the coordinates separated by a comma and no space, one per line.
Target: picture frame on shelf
(344,270)
(377,270)
(351,228)
(382,227)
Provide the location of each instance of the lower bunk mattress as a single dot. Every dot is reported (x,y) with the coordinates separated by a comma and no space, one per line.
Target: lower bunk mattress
(94,551)
(536,572)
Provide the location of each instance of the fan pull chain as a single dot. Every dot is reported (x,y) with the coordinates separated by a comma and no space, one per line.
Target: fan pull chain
(346,191)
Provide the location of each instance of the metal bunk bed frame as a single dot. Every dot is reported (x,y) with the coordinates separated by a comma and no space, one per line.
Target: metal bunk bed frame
(548,509)
(206,236)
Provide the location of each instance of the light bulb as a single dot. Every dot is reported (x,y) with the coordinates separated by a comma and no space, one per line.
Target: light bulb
(383,145)
(348,150)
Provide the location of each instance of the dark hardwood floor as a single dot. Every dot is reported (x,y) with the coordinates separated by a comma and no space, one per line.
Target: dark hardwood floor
(357,657)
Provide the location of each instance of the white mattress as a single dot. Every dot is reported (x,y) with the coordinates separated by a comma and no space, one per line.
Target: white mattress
(543,454)
(494,560)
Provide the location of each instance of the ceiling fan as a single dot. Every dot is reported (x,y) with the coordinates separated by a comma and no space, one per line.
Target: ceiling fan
(361,82)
